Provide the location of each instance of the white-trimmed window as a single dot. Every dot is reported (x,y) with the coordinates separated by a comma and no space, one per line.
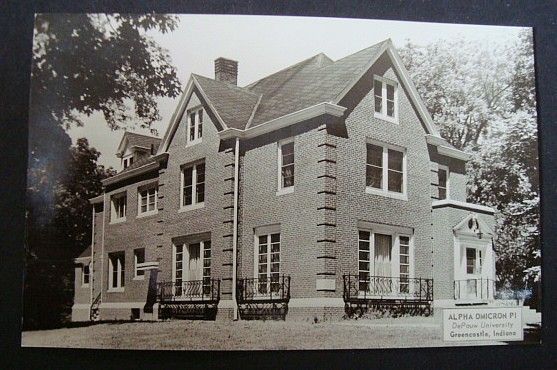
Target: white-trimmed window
(384,262)
(386,170)
(267,252)
(385,94)
(443,182)
(85,274)
(195,125)
(193,185)
(138,258)
(192,262)
(147,200)
(286,166)
(118,209)
(116,271)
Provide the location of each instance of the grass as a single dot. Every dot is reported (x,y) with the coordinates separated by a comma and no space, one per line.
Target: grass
(243,335)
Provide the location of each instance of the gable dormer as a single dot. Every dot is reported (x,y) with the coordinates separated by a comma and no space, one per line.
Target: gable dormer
(134,148)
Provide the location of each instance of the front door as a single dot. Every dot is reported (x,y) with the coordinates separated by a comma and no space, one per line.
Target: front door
(473,273)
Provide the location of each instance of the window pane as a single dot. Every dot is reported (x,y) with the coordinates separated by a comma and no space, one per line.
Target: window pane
(200,124)
(442,193)
(364,245)
(442,176)
(275,238)
(200,172)
(403,259)
(378,93)
(263,258)
(374,155)
(192,126)
(263,239)
(188,176)
(363,235)
(395,160)
(395,181)
(288,176)
(287,149)
(200,193)
(374,176)
(404,249)
(404,240)
(390,108)
(188,195)
(390,92)
(364,256)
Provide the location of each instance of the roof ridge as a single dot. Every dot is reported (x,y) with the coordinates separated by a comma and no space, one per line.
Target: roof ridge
(227,84)
(145,135)
(251,85)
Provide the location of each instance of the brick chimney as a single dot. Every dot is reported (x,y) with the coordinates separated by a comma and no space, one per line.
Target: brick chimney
(226,70)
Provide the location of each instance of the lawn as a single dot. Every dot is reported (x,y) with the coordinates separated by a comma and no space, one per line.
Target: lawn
(242,335)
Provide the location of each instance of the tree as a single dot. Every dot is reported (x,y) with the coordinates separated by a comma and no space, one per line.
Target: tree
(482,99)
(81,183)
(86,63)
(82,63)
(465,86)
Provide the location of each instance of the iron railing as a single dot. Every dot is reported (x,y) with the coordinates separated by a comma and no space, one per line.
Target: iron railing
(275,288)
(195,291)
(474,289)
(387,287)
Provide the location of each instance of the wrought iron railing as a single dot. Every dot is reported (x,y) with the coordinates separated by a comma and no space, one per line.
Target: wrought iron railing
(474,289)
(275,288)
(197,290)
(387,287)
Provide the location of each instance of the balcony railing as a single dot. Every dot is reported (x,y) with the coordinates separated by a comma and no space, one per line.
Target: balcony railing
(474,289)
(207,290)
(272,289)
(387,288)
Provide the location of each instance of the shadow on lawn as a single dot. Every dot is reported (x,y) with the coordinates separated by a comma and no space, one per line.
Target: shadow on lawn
(82,324)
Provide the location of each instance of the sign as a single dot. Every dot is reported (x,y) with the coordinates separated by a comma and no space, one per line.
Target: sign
(491,324)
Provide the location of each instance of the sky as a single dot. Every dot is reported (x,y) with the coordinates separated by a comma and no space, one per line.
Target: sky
(264,45)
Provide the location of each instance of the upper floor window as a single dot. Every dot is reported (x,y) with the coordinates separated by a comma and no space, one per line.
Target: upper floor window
(85,274)
(473,261)
(118,207)
(195,125)
(116,271)
(443,182)
(147,200)
(286,166)
(385,93)
(193,185)
(139,258)
(386,170)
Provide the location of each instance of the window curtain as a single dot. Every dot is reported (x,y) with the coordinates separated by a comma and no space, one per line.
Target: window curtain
(383,246)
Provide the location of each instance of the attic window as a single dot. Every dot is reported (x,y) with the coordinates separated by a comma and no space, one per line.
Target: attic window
(195,126)
(385,94)
(128,162)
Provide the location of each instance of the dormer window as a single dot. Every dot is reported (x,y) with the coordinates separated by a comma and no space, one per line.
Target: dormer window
(195,125)
(128,162)
(385,93)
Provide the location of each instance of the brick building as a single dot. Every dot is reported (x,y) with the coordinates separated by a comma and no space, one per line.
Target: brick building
(321,190)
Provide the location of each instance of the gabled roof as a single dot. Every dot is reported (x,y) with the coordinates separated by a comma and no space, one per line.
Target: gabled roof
(305,90)
(313,84)
(234,104)
(131,139)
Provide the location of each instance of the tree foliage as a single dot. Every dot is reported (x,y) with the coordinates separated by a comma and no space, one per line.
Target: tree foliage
(82,64)
(482,99)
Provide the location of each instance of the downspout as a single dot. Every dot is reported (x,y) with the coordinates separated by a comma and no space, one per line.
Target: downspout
(235,226)
(91,273)
(102,245)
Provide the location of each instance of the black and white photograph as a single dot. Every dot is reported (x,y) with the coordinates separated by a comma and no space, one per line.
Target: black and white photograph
(235,182)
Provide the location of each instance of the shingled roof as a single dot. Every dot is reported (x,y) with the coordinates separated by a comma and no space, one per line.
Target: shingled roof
(139,140)
(312,81)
